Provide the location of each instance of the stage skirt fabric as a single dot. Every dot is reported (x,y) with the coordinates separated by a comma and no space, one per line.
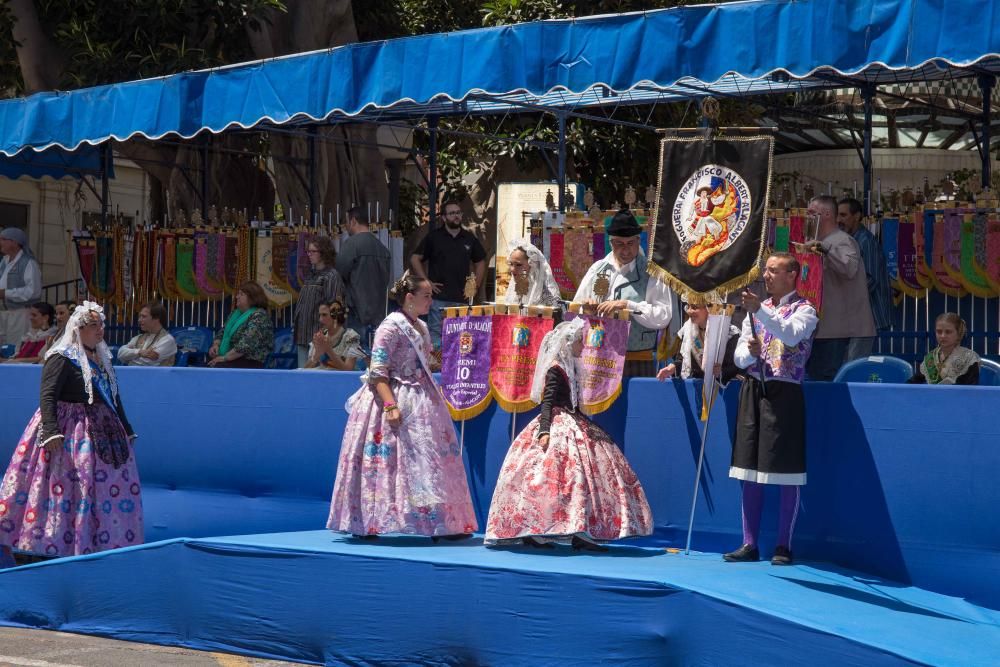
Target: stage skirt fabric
(84,498)
(580,485)
(407,480)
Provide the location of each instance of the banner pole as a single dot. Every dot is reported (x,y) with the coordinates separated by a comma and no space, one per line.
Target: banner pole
(701,460)
(461,439)
(513,423)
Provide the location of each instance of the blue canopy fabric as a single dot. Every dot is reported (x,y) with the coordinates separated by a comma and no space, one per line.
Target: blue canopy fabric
(738,48)
(54,163)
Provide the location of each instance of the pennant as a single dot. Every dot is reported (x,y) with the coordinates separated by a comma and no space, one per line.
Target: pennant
(86,255)
(277,297)
(980,222)
(280,258)
(187,286)
(946,248)
(782,238)
(513,355)
(796,227)
(602,362)
(923,243)
(993,249)
(230,259)
(201,264)
(168,266)
(971,279)
(907,282)
(577,257)
(708,237)
(465,363)
(556,261)
(597,246)
(810,283)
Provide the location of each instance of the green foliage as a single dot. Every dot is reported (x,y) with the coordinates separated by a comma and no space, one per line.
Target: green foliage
(106,42)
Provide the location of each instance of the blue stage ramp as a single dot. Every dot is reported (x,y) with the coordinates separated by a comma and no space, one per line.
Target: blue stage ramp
(318,598)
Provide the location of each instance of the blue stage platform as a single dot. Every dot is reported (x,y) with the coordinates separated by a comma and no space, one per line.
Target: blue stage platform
(314,597)
(902,491)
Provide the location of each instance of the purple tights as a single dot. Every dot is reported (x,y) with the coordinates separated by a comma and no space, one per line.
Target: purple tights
(753,504)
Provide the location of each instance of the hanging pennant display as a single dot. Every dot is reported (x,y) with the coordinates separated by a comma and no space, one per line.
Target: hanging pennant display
(980,221)
(993,249)
(513,354)
(577,256)
(708,237)
(168,268)
(946,249)
(187,286)
(277,297)
(466,339)
(602,361)
(201,264)
(86,255)
(923,242)
(556,260)
(279,259)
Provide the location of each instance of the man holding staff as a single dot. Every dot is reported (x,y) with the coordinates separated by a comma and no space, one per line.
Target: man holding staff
(769,447)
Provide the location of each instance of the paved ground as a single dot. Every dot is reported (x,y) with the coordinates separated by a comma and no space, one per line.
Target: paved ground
(38,648)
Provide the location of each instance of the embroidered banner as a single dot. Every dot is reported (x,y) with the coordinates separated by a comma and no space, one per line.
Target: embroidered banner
(923,243)
(890,246)
(578,255)
(556,260)
(810,284)
(465,364)
(908,283)
(972,280)
(597,246)
(709,233)
(187,286)
(993,249)
(602,362)
(947,231)
(979,259)
(797,226)
(513,354)
(276,296)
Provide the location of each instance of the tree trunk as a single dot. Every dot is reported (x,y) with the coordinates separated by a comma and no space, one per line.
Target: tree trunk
(40,62)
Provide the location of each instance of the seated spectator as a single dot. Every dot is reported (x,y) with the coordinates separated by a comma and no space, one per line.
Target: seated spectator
(248,336)
(692,342)
(42,323)
(334,346)
(949,362)
(154,346)
(63,310)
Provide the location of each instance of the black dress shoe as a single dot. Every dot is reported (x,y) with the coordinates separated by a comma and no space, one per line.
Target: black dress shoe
(536,543)
(451,538)
(586,545)
(745,554)
(782,556)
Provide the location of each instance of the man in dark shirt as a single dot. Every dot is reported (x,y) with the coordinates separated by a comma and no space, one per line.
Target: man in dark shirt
(363,264)
(444,257)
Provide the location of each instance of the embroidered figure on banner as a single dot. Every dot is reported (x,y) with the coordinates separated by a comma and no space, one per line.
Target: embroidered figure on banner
(595,338)
(521,335)
(711,211)
(465,343)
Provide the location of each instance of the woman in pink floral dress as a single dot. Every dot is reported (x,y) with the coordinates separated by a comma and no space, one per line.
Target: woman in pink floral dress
(72,486)
(400,468)
(564,479)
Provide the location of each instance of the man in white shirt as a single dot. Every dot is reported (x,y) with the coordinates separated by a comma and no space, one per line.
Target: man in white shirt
(155,346)
(20,284)
(629,287)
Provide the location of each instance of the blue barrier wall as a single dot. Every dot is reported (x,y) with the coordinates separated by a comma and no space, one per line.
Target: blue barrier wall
(902,480)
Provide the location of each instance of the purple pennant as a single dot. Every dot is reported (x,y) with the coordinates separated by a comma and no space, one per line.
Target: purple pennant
(465,364)
(602,362)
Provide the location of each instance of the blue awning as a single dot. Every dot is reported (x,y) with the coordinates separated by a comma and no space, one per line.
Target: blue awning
(739,48)
(54,163)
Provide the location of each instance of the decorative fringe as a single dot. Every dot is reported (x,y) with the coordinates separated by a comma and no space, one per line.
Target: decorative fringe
(591,409)
(471,411)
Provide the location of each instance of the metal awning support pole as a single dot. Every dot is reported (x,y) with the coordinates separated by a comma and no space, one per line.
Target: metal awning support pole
(986,83)
(868,96)
(105,199)
(432,124)
(204,175)
(313,187)
(561,175)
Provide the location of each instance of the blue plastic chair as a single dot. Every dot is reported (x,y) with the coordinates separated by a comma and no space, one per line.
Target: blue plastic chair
(989,373)
(285,355)
(115,361)
(7,351)
(192,345)
(875,369)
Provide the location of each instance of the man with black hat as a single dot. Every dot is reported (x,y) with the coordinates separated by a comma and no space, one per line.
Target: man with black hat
(621,281)
(20,284)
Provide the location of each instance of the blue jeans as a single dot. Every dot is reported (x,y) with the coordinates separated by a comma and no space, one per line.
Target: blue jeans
(828,355)
(435,316)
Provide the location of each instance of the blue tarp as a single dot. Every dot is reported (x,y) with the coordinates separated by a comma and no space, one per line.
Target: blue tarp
(735,48)
(54,163)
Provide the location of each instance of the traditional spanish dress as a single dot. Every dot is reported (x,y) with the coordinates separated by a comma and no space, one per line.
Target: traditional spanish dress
(407,479)
(580,486)
(86,497)
(959,367)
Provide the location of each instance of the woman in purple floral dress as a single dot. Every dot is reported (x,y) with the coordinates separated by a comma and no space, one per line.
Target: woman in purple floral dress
(400,468)
(72,486)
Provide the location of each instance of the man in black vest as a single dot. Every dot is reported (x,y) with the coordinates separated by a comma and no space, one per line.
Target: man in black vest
(20,284)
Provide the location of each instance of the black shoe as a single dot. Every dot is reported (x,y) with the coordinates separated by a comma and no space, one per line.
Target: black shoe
(538,544)
(745,554)
(586,545)
(782,556)
(451,538)
(365,537)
